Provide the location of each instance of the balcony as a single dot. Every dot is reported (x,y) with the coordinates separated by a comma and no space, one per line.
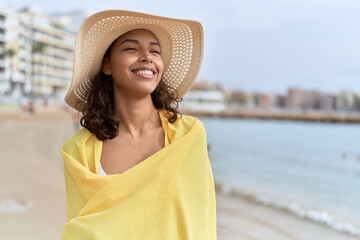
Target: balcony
(2,77)
(24,54)
(3,63)
(2,37)
(2,25)
(23,66)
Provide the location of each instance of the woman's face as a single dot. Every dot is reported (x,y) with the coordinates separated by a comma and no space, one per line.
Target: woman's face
(135,63)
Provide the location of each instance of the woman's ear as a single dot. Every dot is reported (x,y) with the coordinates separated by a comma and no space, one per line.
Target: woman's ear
(106,69)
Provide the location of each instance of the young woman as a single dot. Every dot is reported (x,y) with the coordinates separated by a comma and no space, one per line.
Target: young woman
(138,169)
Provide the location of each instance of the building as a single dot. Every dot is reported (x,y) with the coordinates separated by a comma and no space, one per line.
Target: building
(205,96)
(266,100)
(52,51)
(294,98)
(311,100)
(299,99)
(327,102)
(42,52)
(242,99)
(346,101)
(14,52)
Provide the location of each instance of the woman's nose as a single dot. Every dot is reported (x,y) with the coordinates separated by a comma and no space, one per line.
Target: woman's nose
(145,56)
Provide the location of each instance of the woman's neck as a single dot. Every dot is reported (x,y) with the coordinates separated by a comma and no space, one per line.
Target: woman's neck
(136,115)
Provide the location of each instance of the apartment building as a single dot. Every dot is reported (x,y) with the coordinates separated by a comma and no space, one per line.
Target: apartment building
(14,52)
(36,53)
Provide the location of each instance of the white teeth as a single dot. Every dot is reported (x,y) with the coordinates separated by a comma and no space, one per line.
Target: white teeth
(145,72)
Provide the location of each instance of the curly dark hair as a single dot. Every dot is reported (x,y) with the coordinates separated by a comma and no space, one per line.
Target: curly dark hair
(98,114)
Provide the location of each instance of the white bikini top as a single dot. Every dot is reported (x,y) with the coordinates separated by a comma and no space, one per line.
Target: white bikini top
(101,171)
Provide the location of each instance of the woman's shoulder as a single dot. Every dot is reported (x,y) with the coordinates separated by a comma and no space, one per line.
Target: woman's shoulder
(82,147)
(79,139)
(182,120)
(188,121)
(183,124)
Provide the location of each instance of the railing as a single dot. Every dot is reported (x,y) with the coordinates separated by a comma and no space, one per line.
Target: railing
(2,63)
(2,77)
(2,37)
(2,25)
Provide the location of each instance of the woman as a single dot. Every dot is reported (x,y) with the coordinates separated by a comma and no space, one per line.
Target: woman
(138,169)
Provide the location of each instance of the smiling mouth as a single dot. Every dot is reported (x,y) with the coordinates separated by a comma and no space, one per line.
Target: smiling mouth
(144,73)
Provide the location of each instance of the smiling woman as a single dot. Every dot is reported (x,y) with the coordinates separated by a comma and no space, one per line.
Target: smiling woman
(138,169)
(135,64)
(132,67)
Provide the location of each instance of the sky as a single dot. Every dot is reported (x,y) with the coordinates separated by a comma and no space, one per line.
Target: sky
(259,45)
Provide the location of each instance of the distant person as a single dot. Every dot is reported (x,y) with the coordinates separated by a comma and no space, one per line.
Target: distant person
(138,169)
(31,107)
(24,104)
(45,101)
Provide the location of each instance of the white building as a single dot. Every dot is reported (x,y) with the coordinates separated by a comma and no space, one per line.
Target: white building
(204,96)
(42,50)
(345,101)
(14,52)
(52,51)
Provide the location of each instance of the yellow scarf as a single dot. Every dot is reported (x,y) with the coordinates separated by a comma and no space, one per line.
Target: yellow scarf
(168,196)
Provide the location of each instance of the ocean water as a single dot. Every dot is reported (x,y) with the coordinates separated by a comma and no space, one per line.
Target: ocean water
(308,169)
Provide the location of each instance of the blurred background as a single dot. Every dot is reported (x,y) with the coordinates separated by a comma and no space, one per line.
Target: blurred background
(278,93)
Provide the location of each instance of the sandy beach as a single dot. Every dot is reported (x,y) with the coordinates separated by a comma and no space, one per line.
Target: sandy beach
(32,191)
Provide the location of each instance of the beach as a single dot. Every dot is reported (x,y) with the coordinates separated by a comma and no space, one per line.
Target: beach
(32,191)
(243,219)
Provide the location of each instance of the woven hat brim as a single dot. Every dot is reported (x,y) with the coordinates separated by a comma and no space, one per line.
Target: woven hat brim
(181,44)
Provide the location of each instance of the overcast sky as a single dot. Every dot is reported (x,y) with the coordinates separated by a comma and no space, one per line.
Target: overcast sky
(259,45)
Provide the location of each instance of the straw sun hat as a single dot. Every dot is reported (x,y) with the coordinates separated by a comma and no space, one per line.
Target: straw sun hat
(181,43)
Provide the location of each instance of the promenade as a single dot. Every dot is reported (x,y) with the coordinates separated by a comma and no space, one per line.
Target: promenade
(306,116)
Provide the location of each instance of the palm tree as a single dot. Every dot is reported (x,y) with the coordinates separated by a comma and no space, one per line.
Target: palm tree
(10,52)
(38,47)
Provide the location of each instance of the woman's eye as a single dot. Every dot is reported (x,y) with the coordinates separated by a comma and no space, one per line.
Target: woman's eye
(157,52)
(130,49)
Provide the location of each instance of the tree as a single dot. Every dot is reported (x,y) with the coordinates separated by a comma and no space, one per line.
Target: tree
(38,47)
(10,52)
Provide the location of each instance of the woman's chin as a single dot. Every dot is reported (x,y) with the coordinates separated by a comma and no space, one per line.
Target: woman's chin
(138,92)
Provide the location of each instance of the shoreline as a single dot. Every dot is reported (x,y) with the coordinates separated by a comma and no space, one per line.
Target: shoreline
(281,116)
(243,206)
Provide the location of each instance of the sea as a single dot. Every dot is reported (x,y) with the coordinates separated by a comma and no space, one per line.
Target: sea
(308,169)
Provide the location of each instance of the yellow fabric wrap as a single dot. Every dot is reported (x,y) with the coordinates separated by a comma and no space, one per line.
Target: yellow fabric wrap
(168,196)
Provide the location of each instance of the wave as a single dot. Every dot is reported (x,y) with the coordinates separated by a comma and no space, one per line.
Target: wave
(319,216)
